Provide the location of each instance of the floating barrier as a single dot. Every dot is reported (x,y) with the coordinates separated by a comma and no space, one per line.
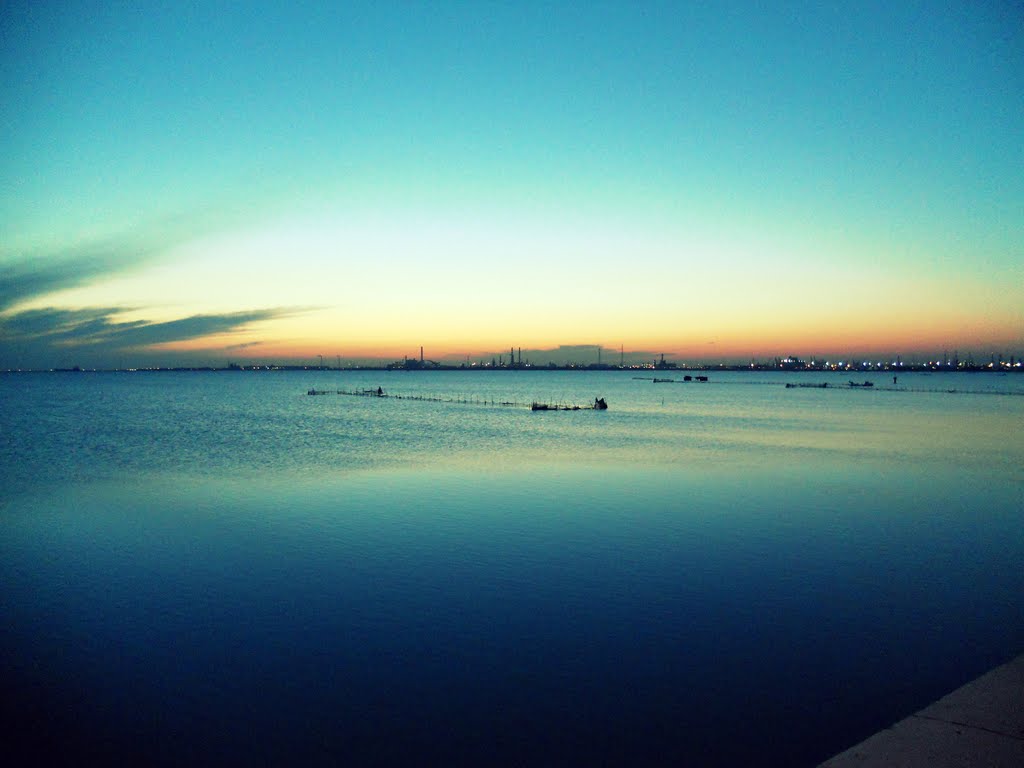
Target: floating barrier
(599,404)
(685,380)
(845,387)
(842,386)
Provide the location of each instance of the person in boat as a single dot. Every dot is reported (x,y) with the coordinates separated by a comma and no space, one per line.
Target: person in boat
(380,392)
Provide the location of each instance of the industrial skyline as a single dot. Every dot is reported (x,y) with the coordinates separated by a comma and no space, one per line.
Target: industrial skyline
(583,357)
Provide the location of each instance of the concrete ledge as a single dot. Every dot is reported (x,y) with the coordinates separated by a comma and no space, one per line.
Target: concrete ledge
(980,724)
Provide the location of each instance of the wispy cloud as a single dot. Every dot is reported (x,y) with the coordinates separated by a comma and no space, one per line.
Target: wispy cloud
(52,323)
(195,327)
(30,275)
(99,326)
(244,345)
(28,278)
(53,332)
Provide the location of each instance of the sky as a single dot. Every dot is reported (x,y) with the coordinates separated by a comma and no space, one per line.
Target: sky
(717,181)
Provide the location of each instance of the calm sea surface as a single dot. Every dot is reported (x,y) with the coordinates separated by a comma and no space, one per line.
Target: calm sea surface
(215,568)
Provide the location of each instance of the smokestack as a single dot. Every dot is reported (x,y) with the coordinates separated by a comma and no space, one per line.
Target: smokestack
(421,354)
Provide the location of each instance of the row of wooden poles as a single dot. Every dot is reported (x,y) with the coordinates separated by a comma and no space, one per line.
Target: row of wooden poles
(465,400)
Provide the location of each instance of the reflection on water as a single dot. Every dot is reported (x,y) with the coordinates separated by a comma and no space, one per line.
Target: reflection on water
(213,569)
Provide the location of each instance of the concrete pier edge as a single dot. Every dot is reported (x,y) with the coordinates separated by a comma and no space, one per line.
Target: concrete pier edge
(979,724)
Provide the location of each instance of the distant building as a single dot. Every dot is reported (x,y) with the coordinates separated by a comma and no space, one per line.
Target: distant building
(661,364)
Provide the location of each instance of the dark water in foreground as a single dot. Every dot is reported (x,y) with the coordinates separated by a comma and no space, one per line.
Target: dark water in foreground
(216,568)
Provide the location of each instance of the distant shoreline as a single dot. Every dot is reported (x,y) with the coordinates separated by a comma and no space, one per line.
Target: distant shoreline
(891,370)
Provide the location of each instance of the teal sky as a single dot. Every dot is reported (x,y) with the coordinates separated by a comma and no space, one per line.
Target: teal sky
(696,154)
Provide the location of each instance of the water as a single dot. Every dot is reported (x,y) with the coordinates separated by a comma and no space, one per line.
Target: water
(216,568)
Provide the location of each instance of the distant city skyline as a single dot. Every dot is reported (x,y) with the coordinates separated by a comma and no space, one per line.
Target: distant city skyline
(716,183)
(563,356)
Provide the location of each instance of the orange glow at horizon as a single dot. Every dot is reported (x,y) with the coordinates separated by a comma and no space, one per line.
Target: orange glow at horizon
(763,343)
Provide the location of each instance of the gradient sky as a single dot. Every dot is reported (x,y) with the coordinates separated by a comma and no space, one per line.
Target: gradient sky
(722,180)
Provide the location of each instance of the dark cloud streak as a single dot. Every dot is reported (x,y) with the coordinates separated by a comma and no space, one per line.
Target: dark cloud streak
(54,333)
(50,323)
(195,327)
(243,345)
(26,276)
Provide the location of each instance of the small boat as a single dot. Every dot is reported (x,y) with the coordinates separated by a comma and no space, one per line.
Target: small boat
(865,384)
